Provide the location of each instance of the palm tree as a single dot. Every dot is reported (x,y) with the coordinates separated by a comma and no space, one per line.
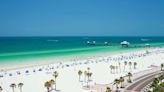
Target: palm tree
(119,64)
(85,75)
(88,69)
(88,76)
(162,65)
(1,89)
(130,65)
(80,73)
(13,86)
(87,79)
(52,83)
(116,82)
(154,85)
(111,68)
(116,68)
(125,63)
(55,74)
(108,89)
(129,75)
(135,64)
(20,86)
(122,81)
(156,80)
(161,77)
(47,85)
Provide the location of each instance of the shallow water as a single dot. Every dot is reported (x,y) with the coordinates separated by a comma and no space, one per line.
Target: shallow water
(12,48)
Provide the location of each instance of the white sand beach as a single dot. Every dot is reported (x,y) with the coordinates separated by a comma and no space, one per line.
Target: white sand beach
(68,79)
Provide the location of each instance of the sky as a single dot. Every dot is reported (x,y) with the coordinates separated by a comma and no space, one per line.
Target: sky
(81,17)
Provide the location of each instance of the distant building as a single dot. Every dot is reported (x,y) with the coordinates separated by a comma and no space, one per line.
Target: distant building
(147,45)
(125,43)
(91,43)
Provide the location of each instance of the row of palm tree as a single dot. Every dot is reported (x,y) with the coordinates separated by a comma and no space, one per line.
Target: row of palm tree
(121,81)
(130,65)
(118,67)
(13,86)
(87,76)
(156,83)
(113,69)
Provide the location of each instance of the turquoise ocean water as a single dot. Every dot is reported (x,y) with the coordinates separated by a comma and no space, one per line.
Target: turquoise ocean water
(12,48)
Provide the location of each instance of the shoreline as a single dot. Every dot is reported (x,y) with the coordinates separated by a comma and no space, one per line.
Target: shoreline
(31,63)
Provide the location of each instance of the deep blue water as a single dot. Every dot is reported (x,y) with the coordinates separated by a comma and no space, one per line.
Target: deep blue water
(27,44)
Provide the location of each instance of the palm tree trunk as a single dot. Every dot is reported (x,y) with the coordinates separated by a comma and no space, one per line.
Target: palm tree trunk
(51,87)
(13,89)
(48,90)
(116,86)
(79,77)
(20,89)
(88,82)
(116,89)
(121,85)
(129,79)
(55,83)
(85,78)
(55,86)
